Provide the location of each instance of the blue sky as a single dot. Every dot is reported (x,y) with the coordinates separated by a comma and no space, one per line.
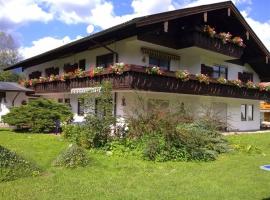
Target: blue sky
(40,25)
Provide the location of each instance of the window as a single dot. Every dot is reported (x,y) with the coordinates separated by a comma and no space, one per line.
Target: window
(104,60)
(215,71)
(243,112)
(67,102)
(220,71)
(52,71)
(163,63)
(60,100)
(245,76)
(80,107)
(82,64)
(250,112)
(35,74)
(247,112)
(70,68)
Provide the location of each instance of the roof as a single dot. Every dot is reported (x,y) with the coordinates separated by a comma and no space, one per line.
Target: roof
(13,87)
(127,28)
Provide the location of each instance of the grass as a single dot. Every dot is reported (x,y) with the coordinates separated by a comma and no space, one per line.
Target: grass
(233,176)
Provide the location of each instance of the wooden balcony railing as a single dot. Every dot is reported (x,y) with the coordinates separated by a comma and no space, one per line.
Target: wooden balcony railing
(202,40)
(136,78)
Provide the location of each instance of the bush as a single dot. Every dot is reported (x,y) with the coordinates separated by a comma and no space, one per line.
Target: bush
(73,156)
(165,135)
(8,76)
(200,141)
(13,166)
(38,115)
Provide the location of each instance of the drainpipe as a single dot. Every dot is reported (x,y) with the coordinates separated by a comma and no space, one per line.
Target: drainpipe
(13,101)
(116,56)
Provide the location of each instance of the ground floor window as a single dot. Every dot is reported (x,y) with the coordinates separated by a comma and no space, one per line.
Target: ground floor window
(80,107)
(250,112)
(247,112)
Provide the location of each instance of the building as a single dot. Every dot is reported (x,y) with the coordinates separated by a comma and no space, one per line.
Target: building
(12,94)
(177,40)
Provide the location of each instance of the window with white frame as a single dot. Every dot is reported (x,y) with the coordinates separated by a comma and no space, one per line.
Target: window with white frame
(247,112)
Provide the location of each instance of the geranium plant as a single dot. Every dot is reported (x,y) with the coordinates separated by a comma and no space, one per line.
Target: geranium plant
(222,80)
(209,30)
(182,74)
(202,78)
(68,75)
(79,73)
(98,70)
(251,85)
(225,37)
(43,79)
(237,83)
(35,81)
(261,87)
(53,78)
(118,68)
(153,70)
(238,41)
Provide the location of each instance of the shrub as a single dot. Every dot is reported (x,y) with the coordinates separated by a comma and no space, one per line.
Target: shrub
(163,135)
(73,156)
(201,141)
(13,166)
(99,125)
(38,115)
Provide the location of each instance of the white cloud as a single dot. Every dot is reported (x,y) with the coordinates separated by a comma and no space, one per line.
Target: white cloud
(260,28)
(19,11)
(192,3)
(44,44)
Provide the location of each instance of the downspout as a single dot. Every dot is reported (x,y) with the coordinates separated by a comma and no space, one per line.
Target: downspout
(13,101)
(109,49)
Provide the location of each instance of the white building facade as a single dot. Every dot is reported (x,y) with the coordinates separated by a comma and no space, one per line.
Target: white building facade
(156,43)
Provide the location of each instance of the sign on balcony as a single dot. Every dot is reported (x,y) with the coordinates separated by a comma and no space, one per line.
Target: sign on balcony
(85,90)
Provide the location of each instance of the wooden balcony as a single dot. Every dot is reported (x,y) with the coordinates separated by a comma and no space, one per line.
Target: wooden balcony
(135,78)
(202,40)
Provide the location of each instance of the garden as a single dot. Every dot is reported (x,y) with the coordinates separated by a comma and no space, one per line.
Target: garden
(162,154)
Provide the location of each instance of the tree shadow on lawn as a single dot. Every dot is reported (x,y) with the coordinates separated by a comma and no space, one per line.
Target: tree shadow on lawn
(267,198)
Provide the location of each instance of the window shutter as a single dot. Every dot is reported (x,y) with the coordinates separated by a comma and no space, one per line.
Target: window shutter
(240,76)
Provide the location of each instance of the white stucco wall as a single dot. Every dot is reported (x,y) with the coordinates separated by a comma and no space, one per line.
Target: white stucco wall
(196,105)
(6,103)
(129,51)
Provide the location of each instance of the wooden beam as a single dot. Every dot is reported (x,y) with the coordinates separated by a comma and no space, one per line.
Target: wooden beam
(229,12)
(166,26)
(205,17)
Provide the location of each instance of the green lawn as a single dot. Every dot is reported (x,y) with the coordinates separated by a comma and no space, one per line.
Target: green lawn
(232,176)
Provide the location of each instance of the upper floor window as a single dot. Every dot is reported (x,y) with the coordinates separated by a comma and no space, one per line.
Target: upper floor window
(162,63)
(70,68)
(245,76)
(216,71)
(82,64)
(35,74)
(52,71)
(104,60)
